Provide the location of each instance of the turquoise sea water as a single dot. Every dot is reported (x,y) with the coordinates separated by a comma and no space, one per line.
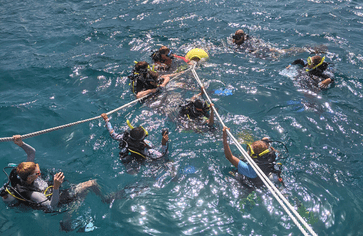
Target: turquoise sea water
(63,61)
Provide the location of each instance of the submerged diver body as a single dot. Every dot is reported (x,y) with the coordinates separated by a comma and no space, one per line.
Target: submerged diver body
(262,153)
(26,185)
(263,50)
(134,148)
(145,81)
(197,112)
(315,76)
(165,60)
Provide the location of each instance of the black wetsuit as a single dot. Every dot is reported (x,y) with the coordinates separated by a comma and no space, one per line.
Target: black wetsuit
(139,83)
(311,79)
(188,110)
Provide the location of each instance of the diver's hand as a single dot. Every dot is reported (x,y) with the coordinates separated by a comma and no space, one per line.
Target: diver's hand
(17,140)
(165,139)
(324,84)
(201,90)
(104,116)
(225,128)
(287,67)
(58,180)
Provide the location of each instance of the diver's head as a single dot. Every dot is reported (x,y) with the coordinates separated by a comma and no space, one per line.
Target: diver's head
(314,61)
(258,148)
(200,106)
(138,133)
(238,37)
(164,50)
(165,55)
(142,66)
(28,171)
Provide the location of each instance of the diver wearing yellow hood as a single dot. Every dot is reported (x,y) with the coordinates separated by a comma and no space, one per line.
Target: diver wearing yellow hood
(133,145)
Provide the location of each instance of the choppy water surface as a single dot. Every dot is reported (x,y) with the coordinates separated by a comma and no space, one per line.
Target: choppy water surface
(63,61)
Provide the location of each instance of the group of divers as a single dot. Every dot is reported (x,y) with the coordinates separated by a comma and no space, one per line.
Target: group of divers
(25,185)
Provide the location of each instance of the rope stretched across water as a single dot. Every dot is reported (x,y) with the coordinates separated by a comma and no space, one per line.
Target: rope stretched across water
(70,124)
(275,192)
(25,136)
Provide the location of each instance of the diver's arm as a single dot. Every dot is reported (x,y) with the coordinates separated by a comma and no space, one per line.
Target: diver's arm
(182,58)
(40,198)
(29,150)
(211,117)
(112,132)
(227,151)
(300,62)
(155,154)
(325,83)
(166,80)
(199,94)
(145,92)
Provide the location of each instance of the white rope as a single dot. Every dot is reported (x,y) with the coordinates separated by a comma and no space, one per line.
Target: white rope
(25,136)
(275,192)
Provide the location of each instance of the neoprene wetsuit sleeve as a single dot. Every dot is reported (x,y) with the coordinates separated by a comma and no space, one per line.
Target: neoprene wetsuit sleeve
(112,132)
(40,198)
(30,152)
(155,154)
(299,62)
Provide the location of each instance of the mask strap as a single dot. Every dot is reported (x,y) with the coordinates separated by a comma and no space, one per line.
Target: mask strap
(320,63)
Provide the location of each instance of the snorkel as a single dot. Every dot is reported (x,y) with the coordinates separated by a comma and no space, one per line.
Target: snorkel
(132,127)
(310,62)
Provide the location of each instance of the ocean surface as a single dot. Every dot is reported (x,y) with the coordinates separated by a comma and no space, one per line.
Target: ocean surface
(62,61)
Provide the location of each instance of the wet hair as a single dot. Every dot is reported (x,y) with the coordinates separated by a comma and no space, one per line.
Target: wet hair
(164,50)
(239,32)
(199,104)
(25,169)
(239,35)
(259,146)
(316,60)
(137,133)
(141,65)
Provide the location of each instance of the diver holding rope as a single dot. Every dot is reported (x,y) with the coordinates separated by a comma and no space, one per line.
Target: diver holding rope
(316,70)
(144,81)
(198,110)
(134,148)
(26,185)
(263,154)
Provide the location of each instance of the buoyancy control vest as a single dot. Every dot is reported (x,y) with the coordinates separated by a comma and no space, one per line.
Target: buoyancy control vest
(188,109)
(140,81)
(266,161)
(21,191)
(130,147)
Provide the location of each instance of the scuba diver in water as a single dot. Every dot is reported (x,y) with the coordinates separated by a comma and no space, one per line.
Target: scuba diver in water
(316,70)
(262,153)
(198,110)
(165,60)
(134,148)
(26,185)
(145,81)
(263,50)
